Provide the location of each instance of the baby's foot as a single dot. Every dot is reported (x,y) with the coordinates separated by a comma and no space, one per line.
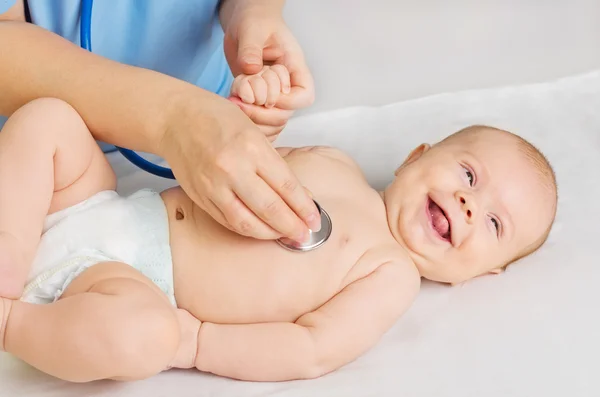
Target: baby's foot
(5,305)
(189,327)
(12,266)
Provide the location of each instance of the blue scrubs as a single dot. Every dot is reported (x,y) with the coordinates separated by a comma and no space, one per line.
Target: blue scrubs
(5,5)
(183,38)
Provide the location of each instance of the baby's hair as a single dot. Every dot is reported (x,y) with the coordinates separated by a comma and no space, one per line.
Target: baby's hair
(536,158)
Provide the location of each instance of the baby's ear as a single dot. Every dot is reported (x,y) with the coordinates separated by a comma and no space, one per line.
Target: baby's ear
(414,155)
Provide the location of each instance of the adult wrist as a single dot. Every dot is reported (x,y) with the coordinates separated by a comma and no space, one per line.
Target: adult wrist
(190,110)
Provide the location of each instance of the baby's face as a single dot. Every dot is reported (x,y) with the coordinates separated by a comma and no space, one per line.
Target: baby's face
(468,206)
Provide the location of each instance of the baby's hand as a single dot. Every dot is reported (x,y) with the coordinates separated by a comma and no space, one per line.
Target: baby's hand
(263,88)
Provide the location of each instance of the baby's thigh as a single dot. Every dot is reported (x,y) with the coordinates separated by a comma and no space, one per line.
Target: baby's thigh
(89,279)
(128,329)
(140,327)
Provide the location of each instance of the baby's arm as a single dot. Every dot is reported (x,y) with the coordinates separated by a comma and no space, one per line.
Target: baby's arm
(318,342)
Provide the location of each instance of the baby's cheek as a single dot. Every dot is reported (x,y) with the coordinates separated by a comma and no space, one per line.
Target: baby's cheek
(430,179)
(486,254)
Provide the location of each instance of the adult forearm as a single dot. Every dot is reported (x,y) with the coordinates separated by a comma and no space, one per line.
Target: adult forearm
(229,6)
(257,352)
(122,105)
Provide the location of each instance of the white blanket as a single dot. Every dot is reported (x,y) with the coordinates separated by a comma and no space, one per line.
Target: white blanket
(532,331)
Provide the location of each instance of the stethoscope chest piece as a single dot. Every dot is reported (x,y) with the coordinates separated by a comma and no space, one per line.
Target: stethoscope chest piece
(316,238)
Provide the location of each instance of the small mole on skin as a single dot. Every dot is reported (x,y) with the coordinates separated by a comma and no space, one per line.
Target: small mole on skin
(344,240)
(179,214)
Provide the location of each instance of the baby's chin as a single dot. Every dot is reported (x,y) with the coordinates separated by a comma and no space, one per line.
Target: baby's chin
(443,273)
(443,279)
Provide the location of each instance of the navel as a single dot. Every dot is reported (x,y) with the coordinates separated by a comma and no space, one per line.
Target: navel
(179,214)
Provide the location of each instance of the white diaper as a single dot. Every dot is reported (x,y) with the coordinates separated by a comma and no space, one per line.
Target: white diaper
(106,227)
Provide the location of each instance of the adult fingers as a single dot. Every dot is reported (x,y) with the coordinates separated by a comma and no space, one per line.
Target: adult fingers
(302,91)
(229,210)
(261,115)
(271,132)
(284,77)
(277,174)
(269,206)
(251,41)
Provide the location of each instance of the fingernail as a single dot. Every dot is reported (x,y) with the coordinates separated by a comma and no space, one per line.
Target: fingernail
(314,222)
(251,62)
(286,89)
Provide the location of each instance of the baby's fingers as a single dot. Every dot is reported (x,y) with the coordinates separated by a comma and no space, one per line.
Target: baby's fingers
(241,88)
(259,88)
(273,87)
(263,88)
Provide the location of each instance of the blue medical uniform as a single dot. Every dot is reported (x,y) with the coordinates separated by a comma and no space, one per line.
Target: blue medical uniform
(182,38)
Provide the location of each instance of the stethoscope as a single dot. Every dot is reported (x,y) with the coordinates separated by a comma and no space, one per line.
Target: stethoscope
(316,239)
(86,43)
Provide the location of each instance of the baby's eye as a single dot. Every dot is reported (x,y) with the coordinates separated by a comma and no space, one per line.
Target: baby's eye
(496,225)
(470,176)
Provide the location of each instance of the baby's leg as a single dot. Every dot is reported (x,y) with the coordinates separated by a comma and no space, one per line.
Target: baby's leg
(48,161)
(111,323)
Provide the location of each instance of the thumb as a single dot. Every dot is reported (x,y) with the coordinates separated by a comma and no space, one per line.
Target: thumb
(250,51)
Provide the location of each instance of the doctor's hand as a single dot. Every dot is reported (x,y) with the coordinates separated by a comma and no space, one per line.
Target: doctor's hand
(227,166)
(256,35)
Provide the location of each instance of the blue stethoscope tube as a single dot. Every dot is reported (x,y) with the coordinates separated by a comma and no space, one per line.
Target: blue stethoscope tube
(86,43)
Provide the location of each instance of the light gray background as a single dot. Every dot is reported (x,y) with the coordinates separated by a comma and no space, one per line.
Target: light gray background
(380,51)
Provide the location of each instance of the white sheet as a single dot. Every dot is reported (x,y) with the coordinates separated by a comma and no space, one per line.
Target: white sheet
(530,332)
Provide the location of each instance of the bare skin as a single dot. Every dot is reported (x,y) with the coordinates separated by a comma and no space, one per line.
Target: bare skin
(218,151)
(251,300)
(249,309)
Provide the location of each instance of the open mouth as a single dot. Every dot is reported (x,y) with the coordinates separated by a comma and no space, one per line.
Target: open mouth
(439,220)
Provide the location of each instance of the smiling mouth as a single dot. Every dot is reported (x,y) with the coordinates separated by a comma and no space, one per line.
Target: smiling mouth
(440,222)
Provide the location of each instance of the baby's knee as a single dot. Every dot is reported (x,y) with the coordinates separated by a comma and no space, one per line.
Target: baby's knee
(46,109)
(51,115)
(148,345)
(146,338)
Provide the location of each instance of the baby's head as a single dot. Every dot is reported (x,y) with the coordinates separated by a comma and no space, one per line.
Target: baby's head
(472,203)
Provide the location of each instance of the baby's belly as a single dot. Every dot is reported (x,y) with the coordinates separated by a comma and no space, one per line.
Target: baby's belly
(222,277)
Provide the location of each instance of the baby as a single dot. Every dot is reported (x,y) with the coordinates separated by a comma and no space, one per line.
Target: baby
(126,287)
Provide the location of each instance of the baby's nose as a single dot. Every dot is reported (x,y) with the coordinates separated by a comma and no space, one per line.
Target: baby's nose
(467,204)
